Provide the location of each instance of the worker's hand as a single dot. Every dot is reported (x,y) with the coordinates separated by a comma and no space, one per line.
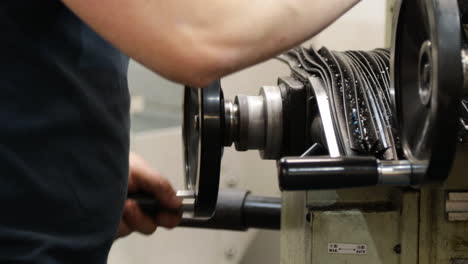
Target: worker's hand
(142,178)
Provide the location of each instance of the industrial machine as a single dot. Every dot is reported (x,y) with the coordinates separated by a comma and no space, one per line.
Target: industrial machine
(370,147)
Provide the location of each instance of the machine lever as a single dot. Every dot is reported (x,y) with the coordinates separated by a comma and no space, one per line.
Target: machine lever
(238,210)
(308,173)
(235,210)
(312,173)
(151,206)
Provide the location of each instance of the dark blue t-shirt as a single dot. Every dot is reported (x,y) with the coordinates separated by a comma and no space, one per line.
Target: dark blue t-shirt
(64,136)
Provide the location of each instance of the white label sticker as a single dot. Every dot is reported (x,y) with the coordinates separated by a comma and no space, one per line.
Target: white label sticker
(354,249)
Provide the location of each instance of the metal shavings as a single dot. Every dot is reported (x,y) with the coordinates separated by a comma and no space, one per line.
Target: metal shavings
(358,86)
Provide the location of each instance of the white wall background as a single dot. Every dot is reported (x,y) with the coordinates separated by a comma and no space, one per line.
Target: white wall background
(156,126)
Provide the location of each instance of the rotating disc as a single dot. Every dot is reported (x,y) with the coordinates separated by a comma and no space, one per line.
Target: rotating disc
(202,137)
(427,78)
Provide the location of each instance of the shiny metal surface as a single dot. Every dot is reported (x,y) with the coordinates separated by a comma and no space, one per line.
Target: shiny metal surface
(325,113)
(188,202)
(323,102)
(231,120)
(464,125)
(464,56)
(464,121)
(251,122)
(273,109)
(256,122)
(312,150)
(191,136)
(328,139)
(425,73)
(394,172)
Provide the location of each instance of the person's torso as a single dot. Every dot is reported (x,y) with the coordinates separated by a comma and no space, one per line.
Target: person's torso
(64,124)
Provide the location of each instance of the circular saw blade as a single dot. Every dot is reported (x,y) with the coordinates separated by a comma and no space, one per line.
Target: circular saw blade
(202,132)
(427,82)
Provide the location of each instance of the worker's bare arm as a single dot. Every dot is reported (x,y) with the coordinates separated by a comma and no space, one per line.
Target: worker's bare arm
(196,41)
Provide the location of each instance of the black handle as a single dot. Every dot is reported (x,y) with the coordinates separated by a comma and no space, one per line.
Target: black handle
(235,210)
(314,173)
(149,205)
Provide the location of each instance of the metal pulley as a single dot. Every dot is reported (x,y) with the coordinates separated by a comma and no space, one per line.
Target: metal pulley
(202,132)
(255,122)
(210,123)
(428,82)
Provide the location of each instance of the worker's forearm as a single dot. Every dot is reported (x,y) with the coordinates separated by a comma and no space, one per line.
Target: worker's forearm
(249,31)
(196,41)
